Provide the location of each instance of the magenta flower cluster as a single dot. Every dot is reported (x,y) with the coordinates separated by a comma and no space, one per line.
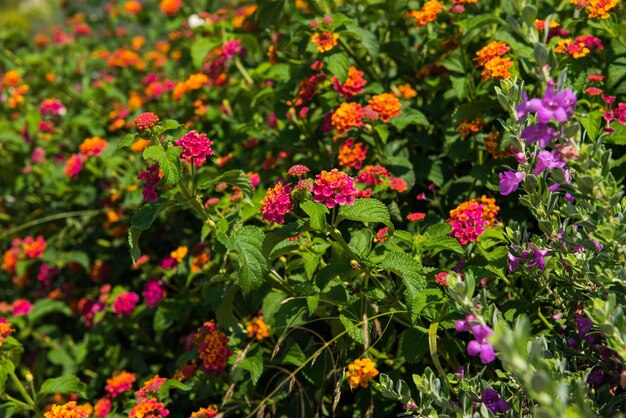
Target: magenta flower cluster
(277,203)
(196,147)
(153,292)
(150,176)
(333,188)
(479,346)
(124,303)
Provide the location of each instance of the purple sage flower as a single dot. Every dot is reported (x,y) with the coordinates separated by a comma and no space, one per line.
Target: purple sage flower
(558,106)
(541,133)
(480,346)
(538,257)
(547,160)
(509,181)
(494,402)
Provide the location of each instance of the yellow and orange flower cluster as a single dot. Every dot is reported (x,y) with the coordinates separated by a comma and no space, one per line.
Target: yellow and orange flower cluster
(209,412)
(92,147)
(194,82)
(347,116)
(426,14)
(352,154)
(257,328)
(324,41)
(468,127)
(360,372)
(490,209)
(179,253)
(120,382)
(495,66)
(170,7)
(13,82)
(386,105)
(406,91)
(68,410)
(597,8)
(5,331)
(493,147)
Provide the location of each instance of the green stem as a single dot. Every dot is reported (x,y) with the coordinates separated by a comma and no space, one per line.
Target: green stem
(49,218)
(243,71)
(432,344)
(20,388)
(336,234)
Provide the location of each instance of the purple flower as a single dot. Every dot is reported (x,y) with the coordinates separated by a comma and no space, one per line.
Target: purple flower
(480,346)
(547,160)
(539,132)
(537,257)
(509,181)
(596,377)
(558,106)
(493,402)
(584,326)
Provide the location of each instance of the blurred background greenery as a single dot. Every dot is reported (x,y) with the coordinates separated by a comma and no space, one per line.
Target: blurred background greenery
(29,15)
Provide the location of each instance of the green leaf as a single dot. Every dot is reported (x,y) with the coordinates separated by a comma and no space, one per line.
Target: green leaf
(367,38)
(269,12)
(290,230)
(247,243)
(294,356)
(361,242)
(312,302)
(253,363)
(365,210)
(44,307)
(317,213)
(64,385)
(171,124)
(414,344)
(127,141)
(412,274)
(233,177)
(169,162)
(409,117)
(165,315)
(141,221)
(441,243)
(329,272)
(199,50)
(338,64)
(354,331)
(172,384)
(6,367)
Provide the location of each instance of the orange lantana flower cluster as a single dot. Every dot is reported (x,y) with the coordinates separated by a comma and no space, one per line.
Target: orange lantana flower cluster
(360,372)
(426,14)
(495,66)
(257,328)
(352,154)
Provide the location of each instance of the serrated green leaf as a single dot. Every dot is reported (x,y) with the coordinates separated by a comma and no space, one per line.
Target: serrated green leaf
(361,242)
(288,231)
(338,64)
(317,213)
(253,362)
(440,243)
(169,162)
(312,302)
(141,221)
(172,384)
(332,270)
(367,38)
(355,332)
(199,50)
(412,274)
(44,307)
(408,117)
(294,355)
(170,124)
(64,385)
(247,243)
(234,178)
(365,210)
(127,141)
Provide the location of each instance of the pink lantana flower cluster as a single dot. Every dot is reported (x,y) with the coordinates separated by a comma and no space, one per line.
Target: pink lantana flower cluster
(333,188)
(196,147)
